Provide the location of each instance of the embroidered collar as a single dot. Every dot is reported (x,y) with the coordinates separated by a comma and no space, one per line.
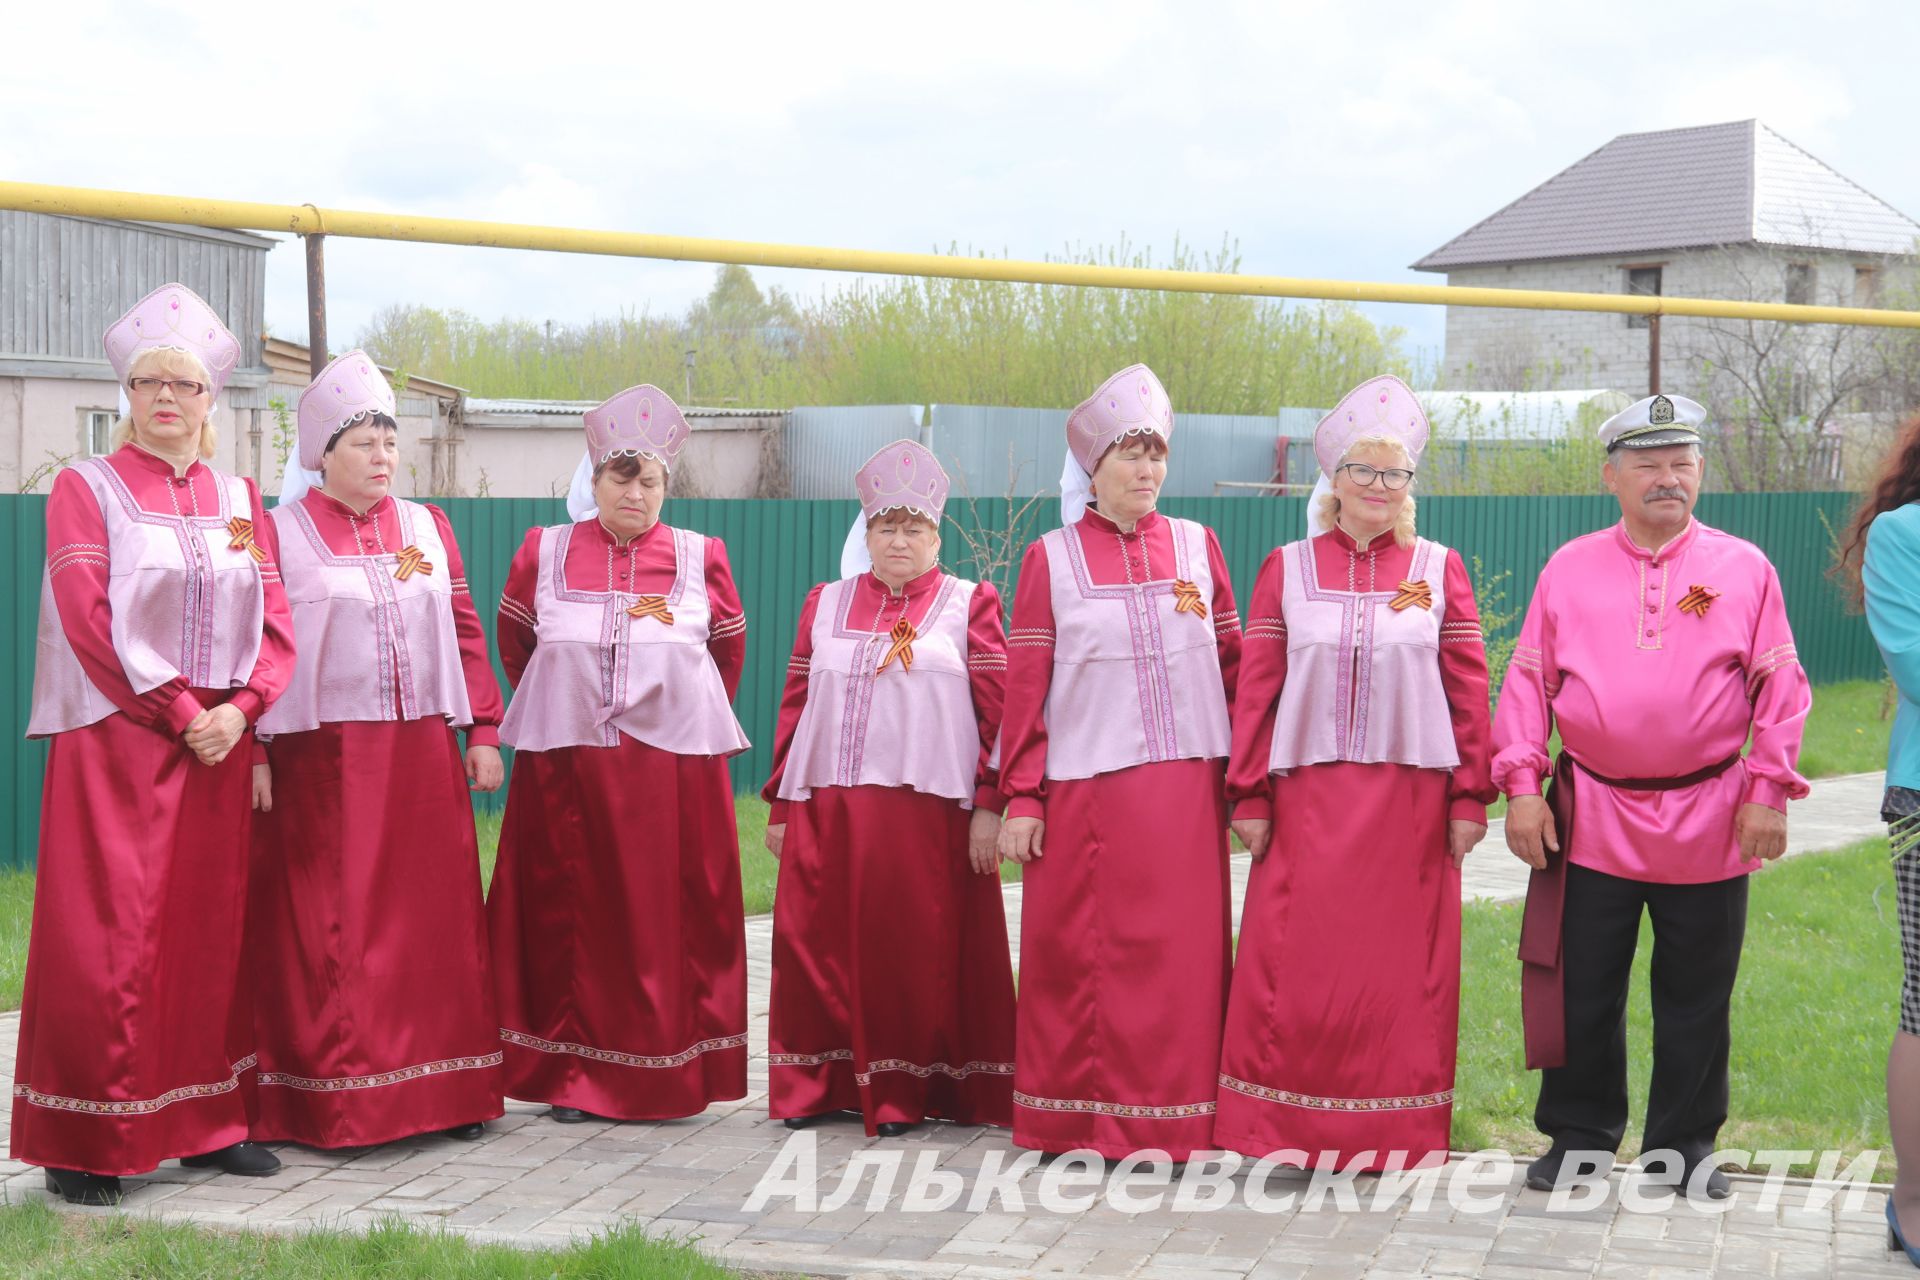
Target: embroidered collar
(320,500)
(603,537)
(1347,542)
(1094,522)
(916,587)
(1670,551)
(152,462)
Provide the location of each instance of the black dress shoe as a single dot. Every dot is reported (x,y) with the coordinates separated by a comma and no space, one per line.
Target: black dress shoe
(1544,1173)
(805,1122)
(1718,1186)
(894,1128)
(467,1132)
(247,1159)
(574,1115)
(1715,1185)
(76,1187)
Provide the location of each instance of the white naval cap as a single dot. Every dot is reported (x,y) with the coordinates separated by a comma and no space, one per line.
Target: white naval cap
(1653,423)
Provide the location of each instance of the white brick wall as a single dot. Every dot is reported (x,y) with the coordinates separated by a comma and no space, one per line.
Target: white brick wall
(1496,349)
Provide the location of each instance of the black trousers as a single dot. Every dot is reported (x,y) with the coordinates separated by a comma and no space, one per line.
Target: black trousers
(1697,932)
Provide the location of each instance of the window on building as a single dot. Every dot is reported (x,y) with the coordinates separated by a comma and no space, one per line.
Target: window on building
(1644,281)
(1866,287)
(1799,283)
(99,431)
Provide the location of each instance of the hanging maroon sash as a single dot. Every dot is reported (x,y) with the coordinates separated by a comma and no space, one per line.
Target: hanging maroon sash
(1543,1013)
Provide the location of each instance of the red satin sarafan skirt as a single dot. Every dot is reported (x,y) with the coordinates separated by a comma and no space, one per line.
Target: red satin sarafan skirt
(373,1003)
(1345,1019)
(136,1025)
(892,986)
(1125,950)
(619,941)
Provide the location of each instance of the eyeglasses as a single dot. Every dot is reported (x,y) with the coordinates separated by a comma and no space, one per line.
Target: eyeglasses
(1392,477)
(179,386)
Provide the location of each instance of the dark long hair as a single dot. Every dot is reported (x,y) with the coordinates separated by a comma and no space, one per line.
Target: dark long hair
(1897,485)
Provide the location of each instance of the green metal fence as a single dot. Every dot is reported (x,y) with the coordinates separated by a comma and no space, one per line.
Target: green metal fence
(779,549)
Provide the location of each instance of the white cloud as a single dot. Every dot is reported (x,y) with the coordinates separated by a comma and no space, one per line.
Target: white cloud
(1334,141)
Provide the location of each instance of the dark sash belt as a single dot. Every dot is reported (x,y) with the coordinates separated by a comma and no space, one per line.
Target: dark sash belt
(1543,1012)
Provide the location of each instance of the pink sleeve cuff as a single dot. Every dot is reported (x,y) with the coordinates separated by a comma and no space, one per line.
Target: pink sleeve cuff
(1769,793)
(1466,809)
(1521,782)
(183,710)
(1026,807)
(990,799)
(483,735)
(1253,809)
(249,704)
(777,813)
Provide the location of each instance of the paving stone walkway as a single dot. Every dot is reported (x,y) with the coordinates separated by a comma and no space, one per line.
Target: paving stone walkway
(534,1182)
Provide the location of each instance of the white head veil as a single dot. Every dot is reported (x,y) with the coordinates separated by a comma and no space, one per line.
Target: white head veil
(1076,490)
(580,501)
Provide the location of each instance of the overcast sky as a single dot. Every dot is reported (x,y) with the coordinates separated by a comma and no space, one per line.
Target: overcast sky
(1330,140)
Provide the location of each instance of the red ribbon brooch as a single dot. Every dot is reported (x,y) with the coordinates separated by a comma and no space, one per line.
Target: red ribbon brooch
(1412,593)
(1698,600)
(241,530)
(903,635)
(651,607)
(412,561)
(1186,599)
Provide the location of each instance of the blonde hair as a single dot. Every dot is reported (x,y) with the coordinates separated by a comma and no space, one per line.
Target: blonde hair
(1403,525)
(174,363)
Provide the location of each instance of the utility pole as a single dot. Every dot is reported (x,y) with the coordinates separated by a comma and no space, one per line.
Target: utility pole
(1653,354)
(316,304)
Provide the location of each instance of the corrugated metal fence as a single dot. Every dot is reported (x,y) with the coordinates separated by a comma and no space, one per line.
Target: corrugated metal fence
(779,549)
(995,451)
(825,446)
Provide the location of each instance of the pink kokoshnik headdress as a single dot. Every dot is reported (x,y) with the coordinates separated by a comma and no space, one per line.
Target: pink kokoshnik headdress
(1382,406)
(350,389)
(903,475)
(640,422)
(1130,403)
(176,318)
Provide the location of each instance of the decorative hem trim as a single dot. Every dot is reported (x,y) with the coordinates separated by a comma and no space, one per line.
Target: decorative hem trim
(135,1106)
(879,1065)
(1312,1102)
(1123,1110)
(336,1084)
(618,1059)
(809,1059)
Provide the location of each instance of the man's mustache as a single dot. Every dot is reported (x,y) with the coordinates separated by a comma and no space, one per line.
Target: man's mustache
(1664,492)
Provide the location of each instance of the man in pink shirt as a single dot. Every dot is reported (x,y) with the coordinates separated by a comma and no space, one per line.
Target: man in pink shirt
(1656,647)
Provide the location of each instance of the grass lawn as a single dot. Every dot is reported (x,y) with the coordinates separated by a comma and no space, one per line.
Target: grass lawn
(1848,730)
(1813,1014)
(37,1243)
